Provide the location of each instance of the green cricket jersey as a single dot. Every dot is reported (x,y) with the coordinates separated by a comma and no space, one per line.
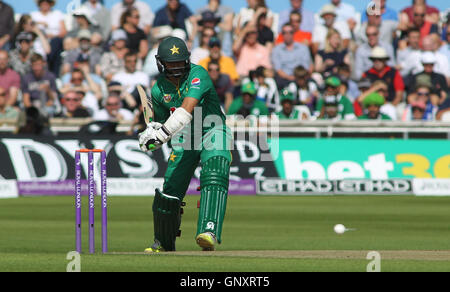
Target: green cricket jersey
(380,117)
(259,108)
(167,97)
(345,107)
(295,115)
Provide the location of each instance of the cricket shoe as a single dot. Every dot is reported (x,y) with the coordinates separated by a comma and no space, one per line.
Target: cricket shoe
(207,241)
(155,248)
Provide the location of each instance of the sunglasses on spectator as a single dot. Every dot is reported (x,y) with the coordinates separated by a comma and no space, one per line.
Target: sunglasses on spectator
(136,16)
(372,34)
(418,109)
(2,93)
(73,99)
(421,14)
(131,61)
(112,104)
(76,79)
(423,93)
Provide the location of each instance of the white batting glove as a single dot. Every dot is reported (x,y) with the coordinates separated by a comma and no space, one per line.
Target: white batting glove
(148,140)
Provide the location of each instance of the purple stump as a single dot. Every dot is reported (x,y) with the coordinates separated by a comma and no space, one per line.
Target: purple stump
(78,202)
(104,204)
(91,202)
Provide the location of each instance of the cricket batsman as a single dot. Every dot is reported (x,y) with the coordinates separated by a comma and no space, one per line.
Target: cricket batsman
(181,88)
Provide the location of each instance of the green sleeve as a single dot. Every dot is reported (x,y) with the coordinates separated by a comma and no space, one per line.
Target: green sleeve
(161,113)
(199,83)
(235,106)
(263,110)
(319,105)
(348,106)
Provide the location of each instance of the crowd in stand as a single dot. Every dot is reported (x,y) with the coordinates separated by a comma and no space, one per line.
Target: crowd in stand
(337,63)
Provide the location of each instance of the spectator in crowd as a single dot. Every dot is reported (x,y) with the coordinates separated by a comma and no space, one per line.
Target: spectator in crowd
(51,22)
(328,14)
(372,104)
(446,27)
(249,52)
(36,123)
(112,62)
(387,29)
(304,89)
(150,67)
(329,109)
(422,98)
(202,51)
(409,52)
(381,71)
(266,87)
(307,24)
(345,13)
(72,105)
(101,15)
(131,76)
(225,13)
(407,15)
(146,15)
(40,43)
(251,14)
(39,88)
(176,14)
(266,36)
(419,22)
(289,55)
(247,104)
(227,64)
(289,110)
(364,88)
(9,79)
(344,73)
(300,36)
(6,110)
(19,58)
(113,111)
(332,56)
(85,50)
(445,47)
(362,55)
(428,75)
(136,37)
(83,82)
(6,25)
(430,47)
(209,21)
(443,111)
(83,21)
(380,7)
(333,98)
(222,83)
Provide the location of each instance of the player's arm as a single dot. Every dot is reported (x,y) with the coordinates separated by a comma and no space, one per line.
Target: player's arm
(180,118)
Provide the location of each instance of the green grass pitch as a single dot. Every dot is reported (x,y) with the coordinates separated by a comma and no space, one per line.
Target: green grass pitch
(261,234)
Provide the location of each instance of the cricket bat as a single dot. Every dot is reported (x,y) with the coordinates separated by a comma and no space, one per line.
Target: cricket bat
(147,108)
(147,105)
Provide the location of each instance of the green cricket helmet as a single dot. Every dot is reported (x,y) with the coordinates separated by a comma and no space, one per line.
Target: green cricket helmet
(172,50)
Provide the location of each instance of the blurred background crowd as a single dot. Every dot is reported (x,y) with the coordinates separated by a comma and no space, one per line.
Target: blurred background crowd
(336,63)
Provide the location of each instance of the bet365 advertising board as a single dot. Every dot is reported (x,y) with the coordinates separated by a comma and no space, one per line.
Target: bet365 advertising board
(359,166)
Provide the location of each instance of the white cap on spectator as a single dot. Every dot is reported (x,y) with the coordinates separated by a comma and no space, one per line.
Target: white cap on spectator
(328,9)
(428,58)
(119,35)
(163,32)
(86,12)
(379,53)
(84,34)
